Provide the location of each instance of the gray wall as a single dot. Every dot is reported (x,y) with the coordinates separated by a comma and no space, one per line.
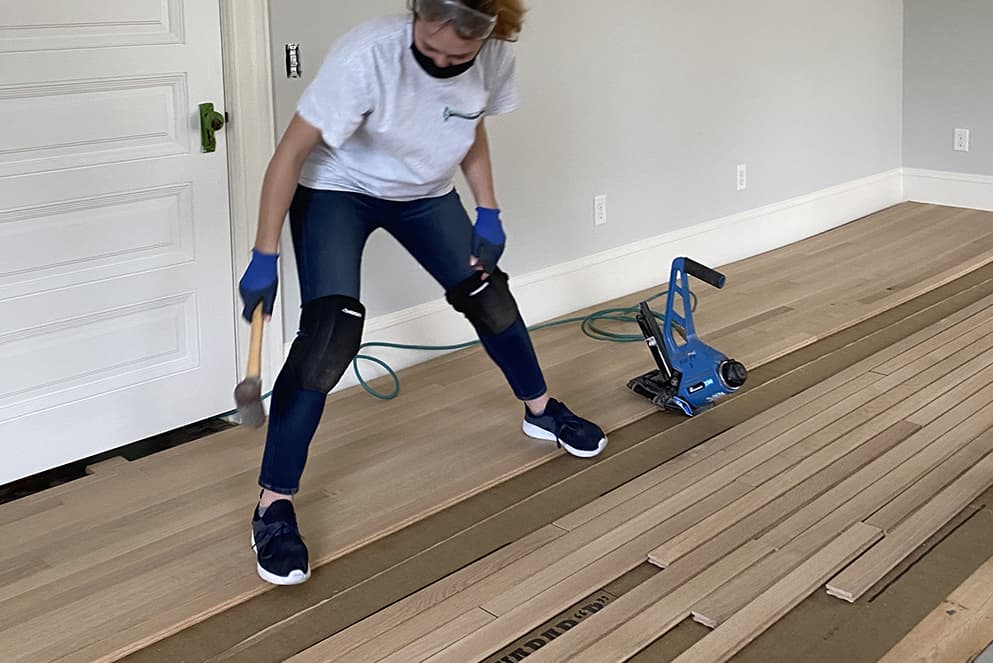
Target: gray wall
(653,103)
(948,84)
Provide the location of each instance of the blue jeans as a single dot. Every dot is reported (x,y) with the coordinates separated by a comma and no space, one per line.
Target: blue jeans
(330,230)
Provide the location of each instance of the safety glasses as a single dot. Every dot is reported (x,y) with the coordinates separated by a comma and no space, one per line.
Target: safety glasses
(469,23)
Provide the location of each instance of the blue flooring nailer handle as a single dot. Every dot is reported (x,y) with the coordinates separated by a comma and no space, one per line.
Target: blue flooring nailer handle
(704,273)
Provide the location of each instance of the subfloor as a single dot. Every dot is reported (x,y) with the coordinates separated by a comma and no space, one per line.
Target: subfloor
(140,551)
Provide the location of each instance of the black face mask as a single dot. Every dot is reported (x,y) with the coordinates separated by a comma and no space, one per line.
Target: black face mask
(428,65)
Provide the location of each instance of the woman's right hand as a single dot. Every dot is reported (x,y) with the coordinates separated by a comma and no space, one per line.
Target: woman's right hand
(259,284)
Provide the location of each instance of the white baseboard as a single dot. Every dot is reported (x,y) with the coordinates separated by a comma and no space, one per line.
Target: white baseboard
(946,188)
(561,289)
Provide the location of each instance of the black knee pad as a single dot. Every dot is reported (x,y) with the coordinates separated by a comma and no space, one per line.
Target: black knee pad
(488,305)
(329,338)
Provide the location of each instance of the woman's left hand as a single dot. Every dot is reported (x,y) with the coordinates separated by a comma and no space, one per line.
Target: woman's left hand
(488,240)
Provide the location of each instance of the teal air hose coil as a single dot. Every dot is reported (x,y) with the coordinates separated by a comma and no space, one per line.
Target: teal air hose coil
(588,325)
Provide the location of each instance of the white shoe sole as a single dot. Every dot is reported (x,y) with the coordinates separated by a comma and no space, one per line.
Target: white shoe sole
(296,577)
(541,434)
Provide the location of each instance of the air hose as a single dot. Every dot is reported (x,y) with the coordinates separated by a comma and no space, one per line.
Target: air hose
(588,324)
(627,315)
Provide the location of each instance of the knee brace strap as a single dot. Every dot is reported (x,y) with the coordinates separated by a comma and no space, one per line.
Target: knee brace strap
(329,338)
(488,305)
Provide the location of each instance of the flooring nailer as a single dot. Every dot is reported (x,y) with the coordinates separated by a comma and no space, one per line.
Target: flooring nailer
(693,376)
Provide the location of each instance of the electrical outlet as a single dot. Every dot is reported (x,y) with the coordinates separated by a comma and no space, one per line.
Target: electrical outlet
(961,140)
(742,177)
(600,210)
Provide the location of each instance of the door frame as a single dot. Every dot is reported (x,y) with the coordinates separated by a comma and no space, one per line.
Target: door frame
(251,140)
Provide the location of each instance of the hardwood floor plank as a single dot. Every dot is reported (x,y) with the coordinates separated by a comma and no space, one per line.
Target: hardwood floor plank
(674,520)
(764,611)
(664,614)
(571,546)
(669,584)
(909,393)
(857,579)
(909,501)
(663,501)
(945,343)
(859,427)
(700,561)
(811,401)
(848,502)
(758,522)
(965,419)
(534,611)
(405,621)
(436,641)
(959,629)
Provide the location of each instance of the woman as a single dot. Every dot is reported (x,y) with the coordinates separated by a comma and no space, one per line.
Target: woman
(396,109)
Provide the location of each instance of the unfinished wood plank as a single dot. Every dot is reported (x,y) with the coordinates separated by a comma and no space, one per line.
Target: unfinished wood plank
(674,496)
(517,622)
(895,511)
(763,520)
(534,611)
(752,620)
(674,519)
(847,503)
(391,628)
(856,580)
(856,429)
(557,570)
(699,534)
(959,629)
(945,343)
(841,385)
(969,385)
(662,616)
(772,421)
(436,641)
(569,645)
(966,419)
(18,568)
(111,465)
(649,508)
(704,557)
(909,393)
(24,508)
(951,634)
(756,523)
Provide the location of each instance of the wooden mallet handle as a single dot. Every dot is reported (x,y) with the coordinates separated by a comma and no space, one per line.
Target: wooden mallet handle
(255,346)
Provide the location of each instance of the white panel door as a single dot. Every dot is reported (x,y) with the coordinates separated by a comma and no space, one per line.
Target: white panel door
(116,290)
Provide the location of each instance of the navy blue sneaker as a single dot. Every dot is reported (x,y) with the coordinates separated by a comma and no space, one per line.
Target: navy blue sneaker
(280,551)
(574,434)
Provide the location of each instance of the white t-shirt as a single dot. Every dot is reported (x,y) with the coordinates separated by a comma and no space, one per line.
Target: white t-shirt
(390,129)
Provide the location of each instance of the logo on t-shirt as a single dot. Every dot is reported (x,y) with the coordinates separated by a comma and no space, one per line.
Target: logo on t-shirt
(451,112)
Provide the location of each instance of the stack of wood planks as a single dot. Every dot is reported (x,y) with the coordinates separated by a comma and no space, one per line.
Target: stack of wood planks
(827,491)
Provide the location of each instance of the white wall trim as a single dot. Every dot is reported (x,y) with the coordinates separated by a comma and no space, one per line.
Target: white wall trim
(947,188)
(578,284)
(250,138)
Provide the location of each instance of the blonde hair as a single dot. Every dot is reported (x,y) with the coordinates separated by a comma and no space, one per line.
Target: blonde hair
(509,13)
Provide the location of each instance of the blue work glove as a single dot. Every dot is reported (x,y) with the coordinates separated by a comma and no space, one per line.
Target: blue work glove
(259,283)
(488,238)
